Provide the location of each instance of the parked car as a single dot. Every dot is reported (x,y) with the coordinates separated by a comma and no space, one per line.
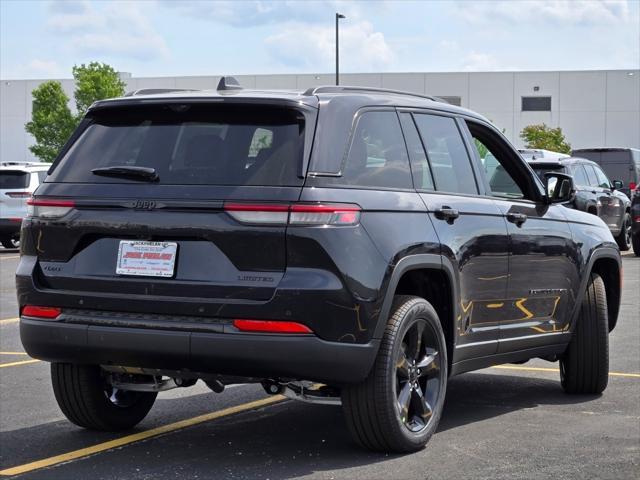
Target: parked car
(635,216)
(539,153)
(619,163)
(17,182)
(595,194)
(337,245)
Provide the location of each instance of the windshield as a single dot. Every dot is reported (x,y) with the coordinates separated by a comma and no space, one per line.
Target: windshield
(190,144)
(13,179)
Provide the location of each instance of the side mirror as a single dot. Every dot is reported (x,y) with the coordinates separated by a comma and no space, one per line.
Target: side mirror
(617,184)
(559,187)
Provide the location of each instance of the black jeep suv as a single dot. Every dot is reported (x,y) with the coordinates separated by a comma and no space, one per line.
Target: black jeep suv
(338,245)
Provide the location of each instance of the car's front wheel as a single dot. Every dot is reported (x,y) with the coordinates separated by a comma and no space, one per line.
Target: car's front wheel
(624,237)
(87,400)
(584,367)
(398,407)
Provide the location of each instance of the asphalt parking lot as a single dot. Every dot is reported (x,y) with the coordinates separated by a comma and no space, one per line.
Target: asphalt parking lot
(511,421)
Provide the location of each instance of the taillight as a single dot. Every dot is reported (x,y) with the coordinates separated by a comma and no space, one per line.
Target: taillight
(18,194)
(324,214)
(300,214)
(258,213)
(49,313)
(48,209)
(632,186)
(270,326)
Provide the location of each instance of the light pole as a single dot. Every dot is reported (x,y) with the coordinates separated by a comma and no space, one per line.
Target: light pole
(338,17)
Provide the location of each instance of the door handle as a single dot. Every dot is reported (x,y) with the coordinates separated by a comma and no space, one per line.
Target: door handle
(446,213)
(517,218)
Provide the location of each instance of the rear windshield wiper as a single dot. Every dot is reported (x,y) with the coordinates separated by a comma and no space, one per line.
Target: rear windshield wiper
(134,173)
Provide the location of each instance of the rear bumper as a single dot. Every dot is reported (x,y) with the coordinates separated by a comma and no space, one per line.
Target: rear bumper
(253,355)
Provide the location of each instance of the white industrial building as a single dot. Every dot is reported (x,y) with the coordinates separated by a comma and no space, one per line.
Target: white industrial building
(594,108)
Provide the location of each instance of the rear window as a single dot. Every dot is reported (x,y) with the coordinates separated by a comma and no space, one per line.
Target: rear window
(191,145)
(13,179)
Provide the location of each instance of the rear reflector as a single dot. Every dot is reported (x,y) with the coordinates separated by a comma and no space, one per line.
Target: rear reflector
(41,312)
(301,214)
(269,326)
(18,194)
(48,209)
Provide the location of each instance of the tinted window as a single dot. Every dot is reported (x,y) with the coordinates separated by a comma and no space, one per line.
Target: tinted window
(603,181)
(419,165)
(41,176)
(591,175)
(579,175)
(378,155)
(13,179)
(191,144)
(536,104)
(448,156)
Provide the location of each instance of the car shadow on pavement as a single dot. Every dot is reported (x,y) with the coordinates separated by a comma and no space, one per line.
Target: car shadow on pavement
(285,440)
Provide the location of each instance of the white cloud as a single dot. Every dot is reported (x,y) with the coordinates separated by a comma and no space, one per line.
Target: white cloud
(313,47)
(250,13)
(481,62)
(558,12)
(114,29)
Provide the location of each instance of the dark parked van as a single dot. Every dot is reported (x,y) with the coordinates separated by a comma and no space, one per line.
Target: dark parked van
(618,163)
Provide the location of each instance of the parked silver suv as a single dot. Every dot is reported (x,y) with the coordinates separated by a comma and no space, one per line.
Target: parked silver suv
(18,181)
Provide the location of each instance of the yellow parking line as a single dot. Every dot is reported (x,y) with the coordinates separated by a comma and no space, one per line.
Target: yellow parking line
(15,364)
(7,321)
(136,437)
(13,353)
(555,370)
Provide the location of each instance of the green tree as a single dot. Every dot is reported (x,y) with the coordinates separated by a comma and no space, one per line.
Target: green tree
(95,81)
(544,137)
(52,123)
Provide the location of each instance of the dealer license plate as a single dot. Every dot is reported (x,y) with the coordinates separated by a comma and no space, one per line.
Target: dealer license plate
(146,259)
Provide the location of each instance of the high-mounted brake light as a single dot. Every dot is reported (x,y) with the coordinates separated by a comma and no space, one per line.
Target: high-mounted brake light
(49,209)
(300,214)
(270,326)
(41,312)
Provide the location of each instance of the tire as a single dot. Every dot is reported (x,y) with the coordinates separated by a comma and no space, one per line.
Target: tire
(10,242)
(624,237)
(635,239)
(372,407)
(584,367)
(86,399)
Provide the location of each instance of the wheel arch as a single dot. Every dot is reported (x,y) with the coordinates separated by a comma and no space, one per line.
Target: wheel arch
(431,277)
(605,262)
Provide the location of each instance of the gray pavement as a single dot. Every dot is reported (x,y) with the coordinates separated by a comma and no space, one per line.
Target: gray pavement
(498,424)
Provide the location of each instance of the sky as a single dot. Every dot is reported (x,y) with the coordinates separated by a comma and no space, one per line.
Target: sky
(45,39)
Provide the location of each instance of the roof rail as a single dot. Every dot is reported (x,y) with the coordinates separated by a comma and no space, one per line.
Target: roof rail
(15,163)
(228,83)
(152,91)
(346,89)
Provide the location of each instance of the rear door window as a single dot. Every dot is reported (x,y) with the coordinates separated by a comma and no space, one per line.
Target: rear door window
(603,181)
(422,177)
(10,179)
(591,175)
(448,156)
(378,155)
(193,144)
(579,175)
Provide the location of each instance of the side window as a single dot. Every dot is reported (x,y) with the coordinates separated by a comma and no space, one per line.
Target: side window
(378,155)
(42,175)
(591,176)
(419,165)
(579,175)
(603,181)
(448,156)
(498,162)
